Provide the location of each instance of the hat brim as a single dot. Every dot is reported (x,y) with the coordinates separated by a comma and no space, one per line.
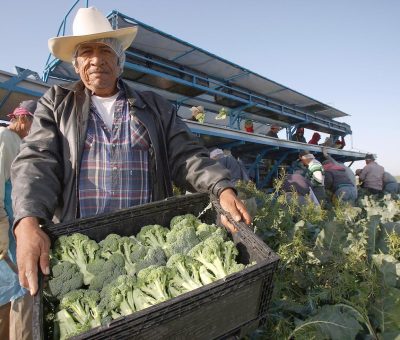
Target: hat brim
(64,47)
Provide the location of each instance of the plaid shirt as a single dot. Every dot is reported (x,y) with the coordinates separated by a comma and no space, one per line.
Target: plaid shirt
(114,171)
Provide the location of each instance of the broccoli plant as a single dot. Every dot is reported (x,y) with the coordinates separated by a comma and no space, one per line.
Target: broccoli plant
(79,249)
(204,230)
(65,277)
(68,326)
(144,257)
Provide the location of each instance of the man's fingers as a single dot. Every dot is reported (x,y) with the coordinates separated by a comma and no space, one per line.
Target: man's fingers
(32,277)
(44,263)
(228,225)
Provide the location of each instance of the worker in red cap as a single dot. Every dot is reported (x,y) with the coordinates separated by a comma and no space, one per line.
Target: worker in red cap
(315,138)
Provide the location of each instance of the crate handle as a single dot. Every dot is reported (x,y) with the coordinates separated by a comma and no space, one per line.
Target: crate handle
(241,226)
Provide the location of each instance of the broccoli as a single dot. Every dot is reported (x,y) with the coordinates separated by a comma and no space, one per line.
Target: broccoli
(123,245)
(79,249)
(204,231)
(67,326)
(153,235)
(144,257)
(181,239)
(106,271)
(117,297)
(83,306)
(185,276)
(65,277)
(153,281)
(217,256)
(188,219)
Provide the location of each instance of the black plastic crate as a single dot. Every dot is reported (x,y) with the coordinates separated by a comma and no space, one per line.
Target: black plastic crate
(228,307)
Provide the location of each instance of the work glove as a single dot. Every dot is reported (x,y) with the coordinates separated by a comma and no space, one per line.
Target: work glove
(4,240)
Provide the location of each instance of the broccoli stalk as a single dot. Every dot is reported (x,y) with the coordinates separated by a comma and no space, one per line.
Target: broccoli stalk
(68,327)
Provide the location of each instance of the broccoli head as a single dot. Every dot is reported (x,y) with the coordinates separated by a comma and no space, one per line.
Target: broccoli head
(67,326)
(122,245)
(65,277)
(217,256)
(117,297)
(105,271)
(153,235)
(204,231)
(145,256)
(79,249)
(188,219)
(181,239)
(83,306)
(153,281)
(185,275)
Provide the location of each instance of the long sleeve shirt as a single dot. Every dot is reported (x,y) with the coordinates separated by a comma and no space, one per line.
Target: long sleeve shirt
(372,176)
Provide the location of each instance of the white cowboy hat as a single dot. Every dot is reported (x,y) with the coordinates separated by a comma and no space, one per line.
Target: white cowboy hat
(89,24)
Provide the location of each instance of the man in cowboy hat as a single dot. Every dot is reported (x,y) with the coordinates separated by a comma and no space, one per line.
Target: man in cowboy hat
(98,145)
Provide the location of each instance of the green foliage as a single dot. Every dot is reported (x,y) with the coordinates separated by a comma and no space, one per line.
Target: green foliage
(336,267)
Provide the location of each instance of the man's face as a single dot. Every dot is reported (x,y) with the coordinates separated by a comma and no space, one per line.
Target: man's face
(97,66)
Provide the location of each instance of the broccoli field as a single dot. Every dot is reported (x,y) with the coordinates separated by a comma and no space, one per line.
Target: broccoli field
(339,273)
(93,283)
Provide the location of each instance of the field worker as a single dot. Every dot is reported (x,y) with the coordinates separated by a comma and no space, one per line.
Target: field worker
(273,131)
(390,184)
(315,138)
(15,303)
(98,145)
(338,183)
(236,168)
(371,175)
(348,170)
(315,174)
(299,135)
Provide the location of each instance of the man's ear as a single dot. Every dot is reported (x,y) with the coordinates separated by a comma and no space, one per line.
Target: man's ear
(75,63)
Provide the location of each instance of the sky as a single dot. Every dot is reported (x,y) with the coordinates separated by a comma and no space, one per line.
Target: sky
(343,53)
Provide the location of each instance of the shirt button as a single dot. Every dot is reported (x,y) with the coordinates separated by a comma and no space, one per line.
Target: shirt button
(115,168)
(114,145)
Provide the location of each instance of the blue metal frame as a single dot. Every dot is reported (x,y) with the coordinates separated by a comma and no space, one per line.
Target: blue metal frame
(11,85)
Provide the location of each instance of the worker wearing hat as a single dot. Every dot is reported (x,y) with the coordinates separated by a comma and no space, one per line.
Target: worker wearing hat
(98,145)
(13,298)
(273,131)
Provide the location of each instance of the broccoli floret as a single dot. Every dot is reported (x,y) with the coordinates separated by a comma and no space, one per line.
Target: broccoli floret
(181,239)
(79,249)
(106,271)
(217,256)
(153,281)
(84,306)
(188,218)
(123,245)
(153,235)
(65,277)
(142,300)
(185,276)
(67,326)
(204,231)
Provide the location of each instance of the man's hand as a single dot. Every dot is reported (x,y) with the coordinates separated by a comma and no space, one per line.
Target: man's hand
(233,205)
(33,246)
(4,226)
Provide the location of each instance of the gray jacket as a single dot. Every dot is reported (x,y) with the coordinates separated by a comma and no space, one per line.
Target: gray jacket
(45,173)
